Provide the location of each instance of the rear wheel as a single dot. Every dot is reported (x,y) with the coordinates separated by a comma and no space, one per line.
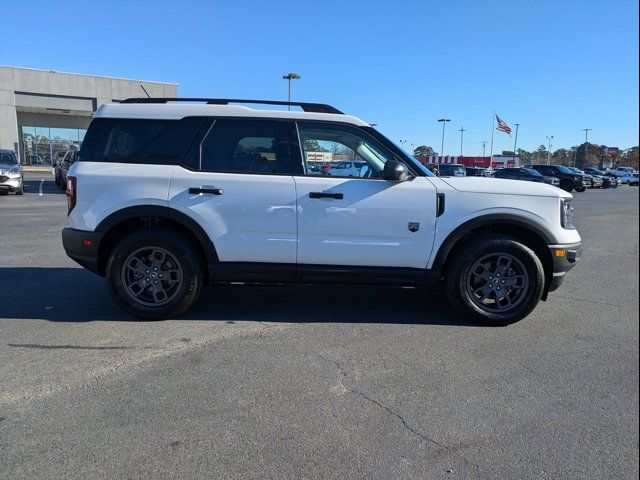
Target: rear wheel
(581,188)
(495,280)
(154,274)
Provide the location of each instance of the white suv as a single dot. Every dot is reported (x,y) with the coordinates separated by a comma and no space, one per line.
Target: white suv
(169,196)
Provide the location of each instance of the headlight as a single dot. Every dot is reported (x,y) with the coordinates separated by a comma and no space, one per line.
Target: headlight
(14,171)
(566,214)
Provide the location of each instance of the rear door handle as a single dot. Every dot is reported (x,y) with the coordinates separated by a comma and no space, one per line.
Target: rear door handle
(199,190)
(337,196)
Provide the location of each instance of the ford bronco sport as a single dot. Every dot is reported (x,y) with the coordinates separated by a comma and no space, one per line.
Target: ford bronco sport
(168,195)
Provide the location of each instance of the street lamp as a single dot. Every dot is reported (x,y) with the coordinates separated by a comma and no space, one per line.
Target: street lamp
(289,77)
(444,122)
(586,144)
(462,130)
(549,150)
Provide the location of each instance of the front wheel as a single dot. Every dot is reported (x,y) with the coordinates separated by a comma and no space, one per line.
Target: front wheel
(581,188)
(496,280)
(154,274)
(566,185)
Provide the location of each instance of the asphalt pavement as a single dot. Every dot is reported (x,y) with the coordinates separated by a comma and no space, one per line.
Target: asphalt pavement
(315,382)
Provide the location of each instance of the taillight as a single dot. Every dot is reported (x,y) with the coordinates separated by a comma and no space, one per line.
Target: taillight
(72,193)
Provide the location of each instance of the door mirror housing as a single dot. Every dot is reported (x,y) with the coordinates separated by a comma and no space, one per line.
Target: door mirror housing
(395,171)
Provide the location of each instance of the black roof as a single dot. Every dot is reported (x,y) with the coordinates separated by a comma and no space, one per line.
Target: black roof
(306,106)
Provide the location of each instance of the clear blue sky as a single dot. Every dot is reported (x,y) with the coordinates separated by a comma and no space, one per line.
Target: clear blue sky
(555,67)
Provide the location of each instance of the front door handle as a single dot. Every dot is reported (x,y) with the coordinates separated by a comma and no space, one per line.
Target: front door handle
(337,196)
(199,190)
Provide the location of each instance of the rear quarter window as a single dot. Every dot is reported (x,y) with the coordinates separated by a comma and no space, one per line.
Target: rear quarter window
(157,142)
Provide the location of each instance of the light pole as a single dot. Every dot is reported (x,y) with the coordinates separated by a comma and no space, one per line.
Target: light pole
(403,143)
(289,77)
(462,130)
(515,142)
(586,144)
(444,122)
(549,150)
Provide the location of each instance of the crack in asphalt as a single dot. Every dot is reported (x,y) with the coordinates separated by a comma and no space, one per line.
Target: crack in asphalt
(406,425)
(95,381)
(589,301)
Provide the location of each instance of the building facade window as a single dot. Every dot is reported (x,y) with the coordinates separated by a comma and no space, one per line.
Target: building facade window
(44,146)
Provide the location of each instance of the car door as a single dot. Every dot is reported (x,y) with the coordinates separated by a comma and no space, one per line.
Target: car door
(361,220)
(236,184)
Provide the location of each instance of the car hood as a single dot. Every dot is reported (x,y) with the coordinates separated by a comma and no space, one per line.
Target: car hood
(504,187)
(5,167)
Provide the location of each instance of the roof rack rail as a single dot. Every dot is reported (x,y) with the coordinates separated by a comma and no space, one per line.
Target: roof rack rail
(307,107)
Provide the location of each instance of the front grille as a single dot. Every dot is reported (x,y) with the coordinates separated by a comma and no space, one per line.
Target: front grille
(3,178)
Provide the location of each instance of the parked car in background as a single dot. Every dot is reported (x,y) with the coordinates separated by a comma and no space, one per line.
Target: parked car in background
(63,166)
(11,176)
(608,180)
(595,180)
(449,169)
(346,169)
(526,174)
(630,179)
(569,180)
(622,171)
(476,172)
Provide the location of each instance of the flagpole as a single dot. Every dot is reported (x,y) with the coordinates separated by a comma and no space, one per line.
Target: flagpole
(493,128)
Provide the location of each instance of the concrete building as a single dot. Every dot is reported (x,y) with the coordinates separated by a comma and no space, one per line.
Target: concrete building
(43,113)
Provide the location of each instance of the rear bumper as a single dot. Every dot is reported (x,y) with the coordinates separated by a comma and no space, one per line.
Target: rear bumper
(565,257)
(82,247)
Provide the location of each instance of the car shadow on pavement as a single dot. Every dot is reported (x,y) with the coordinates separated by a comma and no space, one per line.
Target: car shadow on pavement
(45,187)
(76,295)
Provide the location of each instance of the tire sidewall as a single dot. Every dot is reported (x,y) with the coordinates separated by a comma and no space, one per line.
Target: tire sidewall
(566,185)
(176,245)
(461,268)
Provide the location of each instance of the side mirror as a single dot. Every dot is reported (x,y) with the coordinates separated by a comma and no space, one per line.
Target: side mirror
(395,171)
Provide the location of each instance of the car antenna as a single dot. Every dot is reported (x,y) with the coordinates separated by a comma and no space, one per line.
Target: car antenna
(145,90)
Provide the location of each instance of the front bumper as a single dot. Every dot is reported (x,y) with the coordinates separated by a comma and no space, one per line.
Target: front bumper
(565,257)
(82,247)
(10,184)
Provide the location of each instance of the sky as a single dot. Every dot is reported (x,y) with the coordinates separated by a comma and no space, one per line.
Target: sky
(554,67)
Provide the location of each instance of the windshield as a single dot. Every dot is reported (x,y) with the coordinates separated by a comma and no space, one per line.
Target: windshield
(564,169)
(406,156)
(8,158)
(534,173)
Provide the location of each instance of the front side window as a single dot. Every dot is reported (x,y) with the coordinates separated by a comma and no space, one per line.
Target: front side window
(241,146)
(335,150)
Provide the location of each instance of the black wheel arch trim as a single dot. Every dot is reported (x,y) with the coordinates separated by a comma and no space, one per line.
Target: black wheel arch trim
(489,220)
(141,211)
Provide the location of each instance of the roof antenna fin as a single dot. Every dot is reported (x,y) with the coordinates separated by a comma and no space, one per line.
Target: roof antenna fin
(145,90)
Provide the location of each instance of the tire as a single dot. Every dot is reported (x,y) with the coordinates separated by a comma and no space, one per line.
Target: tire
(581,189)
(477,255)
(134,290)
(20,191)
(566,185)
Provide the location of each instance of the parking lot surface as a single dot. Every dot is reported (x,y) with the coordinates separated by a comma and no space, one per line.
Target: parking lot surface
(315,382)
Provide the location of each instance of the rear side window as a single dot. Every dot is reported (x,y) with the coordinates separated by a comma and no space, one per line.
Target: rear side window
(162,142)
(241,146)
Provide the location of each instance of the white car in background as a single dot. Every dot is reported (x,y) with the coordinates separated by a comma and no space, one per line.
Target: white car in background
(621,171)
(629,179)
(346,169)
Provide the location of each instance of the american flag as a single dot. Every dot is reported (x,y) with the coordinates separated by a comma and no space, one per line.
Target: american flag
(502,126)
